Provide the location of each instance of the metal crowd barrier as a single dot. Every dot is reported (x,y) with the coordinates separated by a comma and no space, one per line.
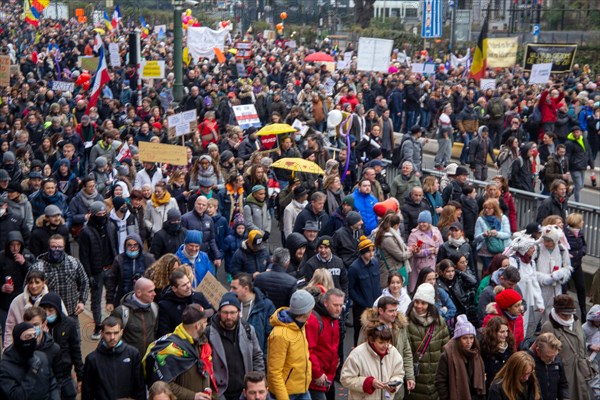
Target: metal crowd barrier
(527,204)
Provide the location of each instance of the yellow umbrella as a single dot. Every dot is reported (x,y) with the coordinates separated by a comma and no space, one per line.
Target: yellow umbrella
(275,129)
(298,165)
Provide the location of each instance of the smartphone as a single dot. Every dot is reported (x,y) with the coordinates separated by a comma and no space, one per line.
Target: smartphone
(394,383)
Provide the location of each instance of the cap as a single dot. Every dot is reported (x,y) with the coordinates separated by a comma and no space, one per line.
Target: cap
(425,292)
(324,241)
(575,128)
(461,171)
(564,304)
(301,302)
(52,210)
(457,226)
(193,313)
(8,156)
(97,206)
(533,228)
(230,299)
(376,163)
(32,175)
(205,183)
(255,237)
(4,176)
(311,226)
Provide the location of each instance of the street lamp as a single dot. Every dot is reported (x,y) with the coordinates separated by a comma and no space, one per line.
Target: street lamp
(178,50)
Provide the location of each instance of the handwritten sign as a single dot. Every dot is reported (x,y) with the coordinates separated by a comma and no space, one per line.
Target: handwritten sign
(163,153)
(89,63)
(540,73)
(486,84)
(63,86)
(244,49)
(246,116)
(4,70)
(115,57)
(211,289)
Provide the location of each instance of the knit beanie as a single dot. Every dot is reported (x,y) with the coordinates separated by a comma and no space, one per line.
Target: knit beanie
(173,215)
(257,188)
(364,245)
(97,206)
(193,237)
(424,216)
(352,218)
(507,298)
(118,202)
(301,302)
(230,299)
(425,292)
(349,200)
(463,327)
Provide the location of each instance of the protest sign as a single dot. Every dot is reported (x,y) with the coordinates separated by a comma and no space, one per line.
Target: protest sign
(341,65)
(561,56)
(418,68)
(153,69)
(63,86)
(348,57)
(502,52)
(4,70)
(246,116)
(115,57)
(540,73)
(244,49)
(431,25)
(291,44)
(212,289)
(202,41)
(429,69)
(88,63)
(485,84)
(269,34)
(163,153)
(329,85)
(241,70)
(374,54)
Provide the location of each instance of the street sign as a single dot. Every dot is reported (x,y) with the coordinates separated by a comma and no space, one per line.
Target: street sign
(536,30)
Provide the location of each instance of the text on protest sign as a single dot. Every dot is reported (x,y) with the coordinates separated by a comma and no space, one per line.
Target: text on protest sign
(486,84)
(63,86)
(561,56)
(502,52)
(374,54)
(211,289)
(246,116)
(153,69)
(115,57)
(540,73)
(162,153)
(4,70)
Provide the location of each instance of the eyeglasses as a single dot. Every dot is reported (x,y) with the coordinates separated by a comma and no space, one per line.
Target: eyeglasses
(57,248)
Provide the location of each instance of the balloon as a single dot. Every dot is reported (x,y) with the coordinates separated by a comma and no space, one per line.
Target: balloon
(188,12)
(283,15)
(186,19)
(279,27)
(224,24)
(334,118)
(424,52)
(196,24)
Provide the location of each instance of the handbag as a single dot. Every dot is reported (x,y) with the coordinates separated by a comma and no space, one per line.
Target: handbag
(404,270)
(493,243)
(585,366)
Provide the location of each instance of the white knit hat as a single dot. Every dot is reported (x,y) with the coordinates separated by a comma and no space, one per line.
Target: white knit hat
(425,292)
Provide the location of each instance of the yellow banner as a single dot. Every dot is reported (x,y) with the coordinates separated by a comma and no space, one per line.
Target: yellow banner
(163,153)
(502,52)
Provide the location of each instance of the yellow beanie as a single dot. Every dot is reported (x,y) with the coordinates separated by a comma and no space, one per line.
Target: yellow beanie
(364,244)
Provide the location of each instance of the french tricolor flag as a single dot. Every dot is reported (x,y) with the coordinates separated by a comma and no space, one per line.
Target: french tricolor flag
(116,17)
(101,78)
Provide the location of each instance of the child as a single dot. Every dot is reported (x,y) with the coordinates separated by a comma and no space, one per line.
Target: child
(233,242)
(221,225)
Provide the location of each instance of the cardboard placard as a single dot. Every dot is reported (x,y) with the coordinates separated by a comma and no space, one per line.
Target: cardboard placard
(540,73)
(244,49)
(4,70)
(246,116)
(163,153)
(63,86)
(89,63)
(212,289)
(115,57)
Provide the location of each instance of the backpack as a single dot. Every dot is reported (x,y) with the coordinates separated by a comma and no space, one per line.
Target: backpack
(319,320)
(125,313)
(496,108)
(536,116)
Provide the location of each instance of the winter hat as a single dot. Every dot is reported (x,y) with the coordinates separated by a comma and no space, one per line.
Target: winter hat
(8,156)
(301,302)
(52,210)
(255,237)
(522,244)
(461,171)
(451,169)
(193,237)
(212,146)
(299,192)
(364,245)
(134,150)
(564,304)
(352,218)
(18,331)
(4,176)
(14,186)
(307,153)
(425,292)
(311,226)
(507,298)
(533,228)
(463,327)
(266,162)
(257,188)
(349,200)
(594,313)
(118,202)
(552,232)
(226,155)
(230,299)
(173,215)
(424,216)
(97,206)
(100,162)
(122,170)
(64,161)
(324,241)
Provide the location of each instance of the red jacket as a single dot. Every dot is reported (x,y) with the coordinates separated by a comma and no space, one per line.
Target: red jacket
(549,110)
(515,325)
(323,346)
(353,101)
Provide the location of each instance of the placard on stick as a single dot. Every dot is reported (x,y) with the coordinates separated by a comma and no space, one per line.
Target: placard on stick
(163,153)
(211,289)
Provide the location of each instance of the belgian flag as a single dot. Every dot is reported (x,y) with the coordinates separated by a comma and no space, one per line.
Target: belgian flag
(479,64)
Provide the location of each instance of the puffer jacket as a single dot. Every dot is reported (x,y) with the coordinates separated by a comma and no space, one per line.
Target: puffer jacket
(201,265)
(363,282)
(323,341)
(460,290)
(417,330)
(164,242)
(277,285)
(171,309)
(551,378)
(290,369)
(203,223)
(142,323)
(246,260)
(90,247)
(344,244)
(363,364)
(364,204)
(257,216)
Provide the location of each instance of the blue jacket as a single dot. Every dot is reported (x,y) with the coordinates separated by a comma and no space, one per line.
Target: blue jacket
(231,243)
(221,231)
(364,203)
(39,201)
(261,311)
(203,223)
(586,111)
(245,260)
(363,282)
(444,300)
(201,265)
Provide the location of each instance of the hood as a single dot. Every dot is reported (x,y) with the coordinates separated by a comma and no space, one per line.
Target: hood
(113,216)
(21,201)
(294,241)
(371,314)
(137,238)
(46,343)
(52,299)
(594,313)
(12,236)
(41,221)
(283,318)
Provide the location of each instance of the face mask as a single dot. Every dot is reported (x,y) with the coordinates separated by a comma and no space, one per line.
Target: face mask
(38,330)
(2,211)
(26,347)
(99,220)
(173,228)
(132,254)
(535,153)
(56,255)
(51,318)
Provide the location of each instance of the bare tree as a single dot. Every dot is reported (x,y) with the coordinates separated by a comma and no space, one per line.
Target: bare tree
(363,12)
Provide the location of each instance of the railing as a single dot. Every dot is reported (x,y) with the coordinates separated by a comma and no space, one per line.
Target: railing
(527,204)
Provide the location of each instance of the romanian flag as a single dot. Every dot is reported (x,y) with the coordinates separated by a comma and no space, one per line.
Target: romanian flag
(107,21)
(479,63)
(32,9)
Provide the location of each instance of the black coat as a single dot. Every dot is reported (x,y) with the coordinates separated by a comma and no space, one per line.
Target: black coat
(18,382)
(9,267)
(521,175)
(410,213)
(551,206)
(66,336)
(551,378)
(171,308)
(307,214)
(91,248)
(113,374)
(277,285)
(344,244)
(164,242)
(579,159)
(578,246)
(335,266)
(38,241)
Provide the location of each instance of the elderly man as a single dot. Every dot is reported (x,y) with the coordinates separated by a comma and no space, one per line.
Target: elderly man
(199,220)
(403,183)
(413,205)
(314,212)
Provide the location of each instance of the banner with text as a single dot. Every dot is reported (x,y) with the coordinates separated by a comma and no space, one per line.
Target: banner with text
(374,54)
(561,56)
(163,153)
(502,52)
(431,26)
(246,116)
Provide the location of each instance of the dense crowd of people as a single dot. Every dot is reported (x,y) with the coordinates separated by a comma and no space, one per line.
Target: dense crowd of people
(444,293)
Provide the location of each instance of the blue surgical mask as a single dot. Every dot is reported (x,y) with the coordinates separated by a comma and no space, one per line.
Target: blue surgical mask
(38,330)
(132,254)
(52,318)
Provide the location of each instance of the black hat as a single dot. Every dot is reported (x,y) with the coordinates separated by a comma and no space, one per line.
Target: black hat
(324,241)
(299,192)
(230,299)
(462,171)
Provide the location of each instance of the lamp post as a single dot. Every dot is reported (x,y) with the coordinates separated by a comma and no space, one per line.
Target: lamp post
(178,51)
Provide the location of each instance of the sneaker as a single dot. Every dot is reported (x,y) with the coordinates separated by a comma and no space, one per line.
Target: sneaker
(96,336)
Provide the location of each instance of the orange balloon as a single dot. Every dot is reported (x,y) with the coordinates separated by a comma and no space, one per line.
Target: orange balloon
(279,27)
(283,15)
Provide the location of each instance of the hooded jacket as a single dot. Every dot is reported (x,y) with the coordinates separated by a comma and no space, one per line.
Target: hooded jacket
(293,242)
(21,207)
(167,241)
(246,260)
(344,244)
(201,265)
(9,267)
(290,369)
(18,383)
(307,214)
(123,227)
(38,241)
(277,285)
(171,308)
(66,336)
(120,279)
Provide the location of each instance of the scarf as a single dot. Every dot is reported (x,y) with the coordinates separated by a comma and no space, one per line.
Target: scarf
(251,200)
(456,242)
(161,202)
(460,363)
(579,140)
(493,222)
(334,200)
(424,320)
(381,355)
(567,324)
(88,199)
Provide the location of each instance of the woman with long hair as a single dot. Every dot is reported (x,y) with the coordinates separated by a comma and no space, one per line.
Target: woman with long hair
(498,261)
(395,288)
(516,380)
(509,152)
(424,242)
(332,185)
(447,217)
(492,231)
(432,197)
(392,251)
(256,176)
(158,206)
(509,201)
(159,273)
(443,302)
(321,279)
(497,345)
(178,189)
(428,334)
(458,285)
(460,373)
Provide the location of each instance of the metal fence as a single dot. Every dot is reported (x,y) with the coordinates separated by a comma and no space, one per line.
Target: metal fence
(527,204)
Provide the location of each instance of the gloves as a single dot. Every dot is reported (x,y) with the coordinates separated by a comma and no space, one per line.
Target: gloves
(546,279)
(35,364)
(558,275)
(266,236)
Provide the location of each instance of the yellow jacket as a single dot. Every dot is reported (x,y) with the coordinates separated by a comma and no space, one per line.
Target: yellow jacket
(289,369)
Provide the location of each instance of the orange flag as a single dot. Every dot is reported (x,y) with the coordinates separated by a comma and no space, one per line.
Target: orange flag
(220,55)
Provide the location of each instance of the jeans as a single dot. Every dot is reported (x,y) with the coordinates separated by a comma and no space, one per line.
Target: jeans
(97,298)
(67,388)
(425,119)
(397,122)
(578,177)
(301,396)
(481,172)
(316,395)
(356,314)
(444,152)
(411,119)
(464,155)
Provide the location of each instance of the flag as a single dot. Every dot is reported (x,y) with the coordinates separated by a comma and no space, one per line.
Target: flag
(116,18)
(143,21)
(124,152)
(455,61)
(97,42)
(479,64)
(145,31)
(30,14)
(107,21)
(101,78)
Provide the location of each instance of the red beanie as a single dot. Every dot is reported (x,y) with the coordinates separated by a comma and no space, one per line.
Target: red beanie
(507,298)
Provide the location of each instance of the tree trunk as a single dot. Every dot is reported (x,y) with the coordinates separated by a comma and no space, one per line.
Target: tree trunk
(363,12)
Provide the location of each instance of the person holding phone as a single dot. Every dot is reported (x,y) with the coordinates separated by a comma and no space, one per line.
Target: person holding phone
(374,368)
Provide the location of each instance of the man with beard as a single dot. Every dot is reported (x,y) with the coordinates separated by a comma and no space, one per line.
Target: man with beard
(97,251)
(236,350)
(49,224)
